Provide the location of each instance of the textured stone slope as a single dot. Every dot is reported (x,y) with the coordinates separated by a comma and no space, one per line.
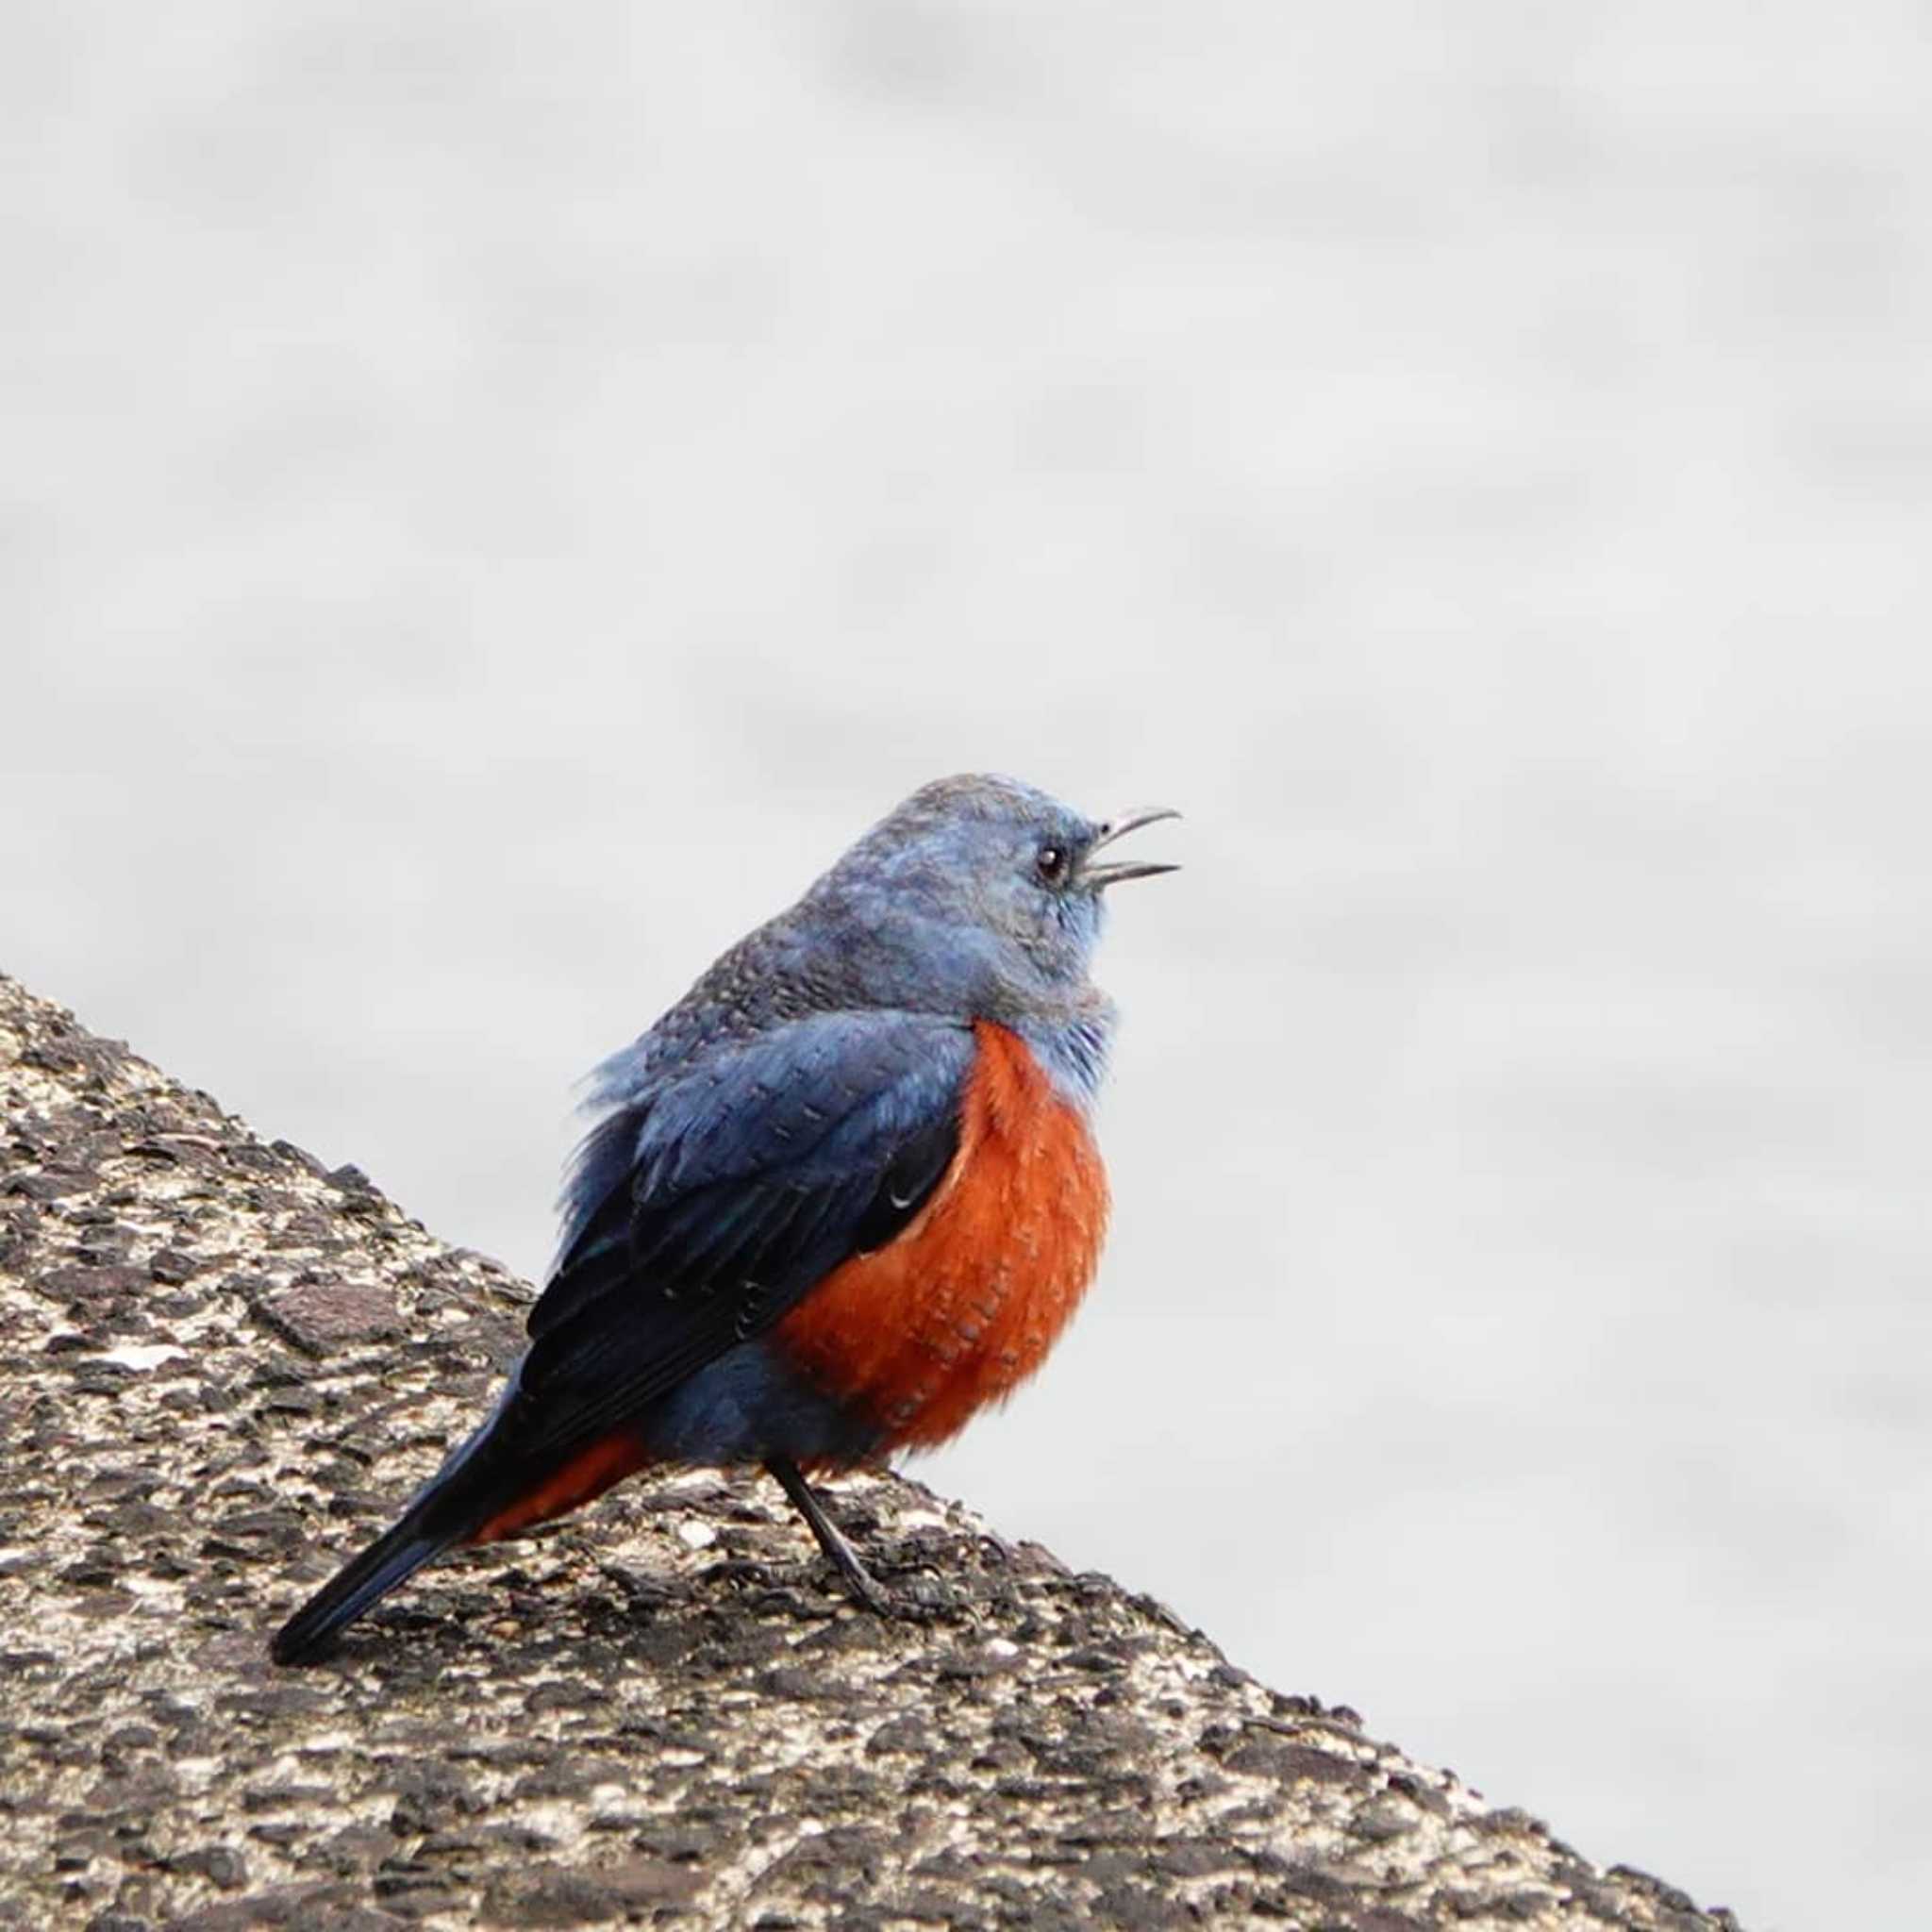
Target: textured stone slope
(220,1366)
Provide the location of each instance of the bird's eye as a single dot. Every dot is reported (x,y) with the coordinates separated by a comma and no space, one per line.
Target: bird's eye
(1050,862)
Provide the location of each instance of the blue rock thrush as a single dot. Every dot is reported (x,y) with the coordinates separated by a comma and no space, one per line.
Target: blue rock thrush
(842,1195)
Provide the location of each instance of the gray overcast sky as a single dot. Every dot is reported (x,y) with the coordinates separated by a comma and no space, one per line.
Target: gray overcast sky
(495,497)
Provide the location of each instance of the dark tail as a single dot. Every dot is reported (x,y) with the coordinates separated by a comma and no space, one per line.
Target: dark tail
(444,1511)
(392,1558)
(493,1486)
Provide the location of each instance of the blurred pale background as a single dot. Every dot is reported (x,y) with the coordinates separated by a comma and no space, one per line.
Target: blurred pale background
(495,496)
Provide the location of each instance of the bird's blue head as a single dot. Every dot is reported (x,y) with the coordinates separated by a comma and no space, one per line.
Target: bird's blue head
(978,896)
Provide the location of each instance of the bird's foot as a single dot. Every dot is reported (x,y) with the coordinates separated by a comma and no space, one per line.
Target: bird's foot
(863,1587)
(928,1598)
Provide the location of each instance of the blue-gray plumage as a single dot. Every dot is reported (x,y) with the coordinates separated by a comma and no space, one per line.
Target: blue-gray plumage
(840,1194)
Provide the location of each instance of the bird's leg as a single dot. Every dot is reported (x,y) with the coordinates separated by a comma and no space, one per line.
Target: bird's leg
(841,1556)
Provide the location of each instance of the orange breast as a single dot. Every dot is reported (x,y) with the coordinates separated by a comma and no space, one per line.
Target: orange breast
(962,1306)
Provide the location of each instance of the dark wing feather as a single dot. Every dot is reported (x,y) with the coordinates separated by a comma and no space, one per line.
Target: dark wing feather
(749,1179)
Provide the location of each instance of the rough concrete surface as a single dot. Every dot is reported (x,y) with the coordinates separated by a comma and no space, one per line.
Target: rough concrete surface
(221,1366)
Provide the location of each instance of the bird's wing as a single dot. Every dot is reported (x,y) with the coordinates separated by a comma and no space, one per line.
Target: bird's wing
(745,1180)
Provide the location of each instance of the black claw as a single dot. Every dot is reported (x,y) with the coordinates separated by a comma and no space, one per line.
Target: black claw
(865,1588)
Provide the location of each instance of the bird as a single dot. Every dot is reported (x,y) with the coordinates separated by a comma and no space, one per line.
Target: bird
(839,1197)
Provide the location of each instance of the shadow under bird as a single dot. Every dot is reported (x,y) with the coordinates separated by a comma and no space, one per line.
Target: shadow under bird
(842,1195)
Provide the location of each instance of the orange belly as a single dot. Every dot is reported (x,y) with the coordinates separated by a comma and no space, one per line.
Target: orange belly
(962,1306)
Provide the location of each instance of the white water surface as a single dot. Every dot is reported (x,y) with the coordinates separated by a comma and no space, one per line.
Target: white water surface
(495,497)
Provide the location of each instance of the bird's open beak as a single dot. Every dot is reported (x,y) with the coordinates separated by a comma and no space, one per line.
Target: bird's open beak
(1099,876)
